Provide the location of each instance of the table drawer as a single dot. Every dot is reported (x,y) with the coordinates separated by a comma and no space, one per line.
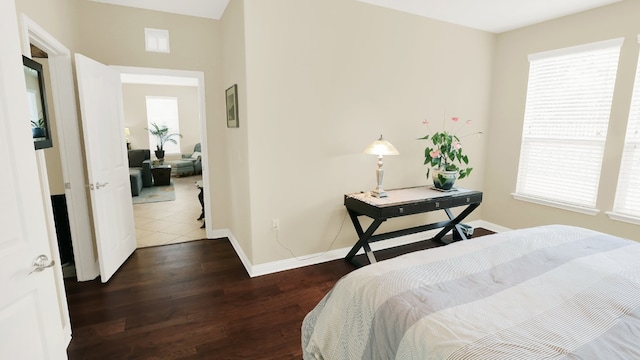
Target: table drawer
(467,200)
(437,205)
(402,210)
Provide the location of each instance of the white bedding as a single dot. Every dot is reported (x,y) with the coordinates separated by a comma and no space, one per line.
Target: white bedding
(553,292)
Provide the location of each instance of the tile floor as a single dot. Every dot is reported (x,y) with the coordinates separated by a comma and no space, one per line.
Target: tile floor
(171,222)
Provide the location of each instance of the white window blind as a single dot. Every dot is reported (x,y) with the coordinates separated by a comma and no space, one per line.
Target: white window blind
(164,112)
(565,123)
(627,200)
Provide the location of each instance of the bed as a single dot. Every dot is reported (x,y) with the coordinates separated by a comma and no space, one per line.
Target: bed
(551,292)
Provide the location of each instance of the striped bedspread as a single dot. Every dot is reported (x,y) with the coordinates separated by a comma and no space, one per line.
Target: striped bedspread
(552,292)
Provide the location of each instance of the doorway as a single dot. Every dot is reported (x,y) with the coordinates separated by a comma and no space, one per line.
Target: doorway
(68,146)
(170,213)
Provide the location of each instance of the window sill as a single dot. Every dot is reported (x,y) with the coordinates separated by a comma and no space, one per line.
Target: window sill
(559,205)
(623,217)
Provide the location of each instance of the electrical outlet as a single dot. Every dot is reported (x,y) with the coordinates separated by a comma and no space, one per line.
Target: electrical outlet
(275,224)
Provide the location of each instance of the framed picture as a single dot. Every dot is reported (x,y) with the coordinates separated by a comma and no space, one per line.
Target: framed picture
(232,106)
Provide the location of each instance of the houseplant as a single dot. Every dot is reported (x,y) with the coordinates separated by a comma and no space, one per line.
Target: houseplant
(446,157)
(37,128)
(163,136)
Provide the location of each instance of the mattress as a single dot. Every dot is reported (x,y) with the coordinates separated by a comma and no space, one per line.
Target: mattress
(551,292)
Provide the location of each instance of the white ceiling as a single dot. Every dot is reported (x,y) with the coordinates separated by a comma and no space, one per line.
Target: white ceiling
(212,9)
(490,15)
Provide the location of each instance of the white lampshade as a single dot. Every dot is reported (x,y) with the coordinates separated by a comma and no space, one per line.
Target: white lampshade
(381,147)
(127,132)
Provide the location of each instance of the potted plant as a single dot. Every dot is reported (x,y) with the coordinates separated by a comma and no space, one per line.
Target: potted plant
(446,158)
(38,128)
(163,136)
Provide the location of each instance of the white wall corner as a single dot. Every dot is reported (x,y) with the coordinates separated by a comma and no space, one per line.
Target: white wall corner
(236,246)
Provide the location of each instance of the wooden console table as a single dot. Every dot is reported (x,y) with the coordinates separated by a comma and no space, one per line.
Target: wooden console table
(403,202)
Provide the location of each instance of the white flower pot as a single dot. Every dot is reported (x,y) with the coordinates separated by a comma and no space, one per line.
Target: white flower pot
(443,180)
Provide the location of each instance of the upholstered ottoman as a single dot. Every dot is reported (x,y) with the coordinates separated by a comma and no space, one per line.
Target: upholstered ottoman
(135,177)
(180,167)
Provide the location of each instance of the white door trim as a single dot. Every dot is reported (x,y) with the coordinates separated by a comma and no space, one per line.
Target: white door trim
(198,76)
(69,145)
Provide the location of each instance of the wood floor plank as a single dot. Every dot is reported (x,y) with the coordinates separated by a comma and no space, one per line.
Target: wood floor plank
(195,301)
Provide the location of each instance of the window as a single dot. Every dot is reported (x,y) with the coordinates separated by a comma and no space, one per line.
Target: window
(627,203)
(565,125)
(164,112)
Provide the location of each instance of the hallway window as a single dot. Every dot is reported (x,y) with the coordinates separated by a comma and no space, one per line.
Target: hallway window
(163,111)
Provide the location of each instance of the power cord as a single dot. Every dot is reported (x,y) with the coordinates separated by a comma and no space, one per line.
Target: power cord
(318,255)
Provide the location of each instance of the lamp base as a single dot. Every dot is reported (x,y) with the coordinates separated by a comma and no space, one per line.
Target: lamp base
(379,193)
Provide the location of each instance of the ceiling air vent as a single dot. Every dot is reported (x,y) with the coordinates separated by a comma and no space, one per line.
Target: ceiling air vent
(156,40)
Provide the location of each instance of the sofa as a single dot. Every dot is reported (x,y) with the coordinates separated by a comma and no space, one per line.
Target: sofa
(139,170)
(196,158)
(189,164)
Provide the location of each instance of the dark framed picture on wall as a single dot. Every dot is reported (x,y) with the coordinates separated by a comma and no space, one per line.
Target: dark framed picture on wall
(232,106)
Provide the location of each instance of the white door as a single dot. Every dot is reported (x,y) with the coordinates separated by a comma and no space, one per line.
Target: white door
(30,318)
(100,93)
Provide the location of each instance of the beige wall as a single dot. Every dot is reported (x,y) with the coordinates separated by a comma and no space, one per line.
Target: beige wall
(135,113)
(508,101)
(236,139)
(326,78)
(311,98)
(58,17)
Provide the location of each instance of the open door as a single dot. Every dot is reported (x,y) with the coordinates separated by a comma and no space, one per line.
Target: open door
(100,94)
(30,313)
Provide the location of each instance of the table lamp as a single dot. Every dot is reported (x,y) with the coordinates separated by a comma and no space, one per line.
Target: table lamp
(380,147)
(126,136)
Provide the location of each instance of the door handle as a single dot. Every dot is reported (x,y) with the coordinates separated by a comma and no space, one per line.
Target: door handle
(98,185)
(40,263)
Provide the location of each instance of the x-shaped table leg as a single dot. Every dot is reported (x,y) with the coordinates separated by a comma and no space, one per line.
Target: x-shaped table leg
(363,239)
(455,222)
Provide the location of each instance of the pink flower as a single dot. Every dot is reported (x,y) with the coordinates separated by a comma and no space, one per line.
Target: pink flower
(455,119)
(426,122)
(435,153)
(457,145)
(468,122)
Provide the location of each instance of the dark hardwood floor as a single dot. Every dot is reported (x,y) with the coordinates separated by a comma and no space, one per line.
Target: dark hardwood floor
(195,301)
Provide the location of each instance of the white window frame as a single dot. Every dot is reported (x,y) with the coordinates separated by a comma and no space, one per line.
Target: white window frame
(530,185)
(164,113)
(629,176)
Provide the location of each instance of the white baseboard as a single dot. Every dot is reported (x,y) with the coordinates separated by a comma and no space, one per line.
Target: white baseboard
(313,259)
(221,233)
(489,226)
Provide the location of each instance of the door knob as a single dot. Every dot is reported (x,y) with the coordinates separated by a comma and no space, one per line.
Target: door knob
(40,263)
